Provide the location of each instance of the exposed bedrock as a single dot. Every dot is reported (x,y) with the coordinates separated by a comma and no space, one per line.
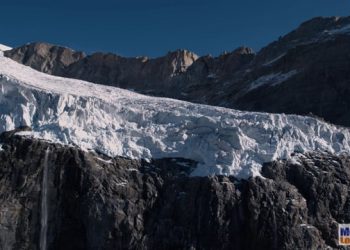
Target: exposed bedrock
(100,203)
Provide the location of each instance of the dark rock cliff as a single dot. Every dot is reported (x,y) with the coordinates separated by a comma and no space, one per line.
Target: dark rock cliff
(100,203)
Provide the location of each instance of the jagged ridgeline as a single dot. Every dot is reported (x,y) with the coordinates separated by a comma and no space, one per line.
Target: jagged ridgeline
(90,166)
(305,71)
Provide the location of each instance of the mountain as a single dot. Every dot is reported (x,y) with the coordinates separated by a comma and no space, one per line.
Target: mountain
(47,58)
(139,73)
(283,77)
(98,203)
(90,166)
(118,122)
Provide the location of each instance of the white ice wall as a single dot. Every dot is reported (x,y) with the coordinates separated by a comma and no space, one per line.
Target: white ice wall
(120,122)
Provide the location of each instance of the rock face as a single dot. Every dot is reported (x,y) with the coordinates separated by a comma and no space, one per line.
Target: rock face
(282,77)
(45,57)
(142,74)
(100,203)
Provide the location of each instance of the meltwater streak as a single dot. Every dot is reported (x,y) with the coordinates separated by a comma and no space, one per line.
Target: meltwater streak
(44,201)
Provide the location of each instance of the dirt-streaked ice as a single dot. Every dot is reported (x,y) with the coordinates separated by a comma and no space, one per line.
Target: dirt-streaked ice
(121,122)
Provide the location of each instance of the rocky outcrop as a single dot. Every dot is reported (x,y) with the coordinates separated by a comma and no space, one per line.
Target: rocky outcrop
(142,74)
(45,57)
(282,77)
(152,76)
(323,181)
(101,203)
(316,30)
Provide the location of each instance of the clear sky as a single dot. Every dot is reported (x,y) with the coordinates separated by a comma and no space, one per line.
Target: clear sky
(154,27)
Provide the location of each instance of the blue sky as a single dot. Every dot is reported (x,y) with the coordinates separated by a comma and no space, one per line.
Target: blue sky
(154,27)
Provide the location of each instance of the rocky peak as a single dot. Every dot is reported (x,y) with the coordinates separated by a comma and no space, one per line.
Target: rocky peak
(225,64)
(311,59)
(243,51)
(229,63)
(316,30)
(180,60)
(45,57)
(317,26)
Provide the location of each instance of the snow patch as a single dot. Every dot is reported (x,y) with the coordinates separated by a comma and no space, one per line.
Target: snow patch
(295,160)
(4,48)
(118,122)
(342,30)
(269,63)
(213,76)
(308,226)
(105,161)
(272,79)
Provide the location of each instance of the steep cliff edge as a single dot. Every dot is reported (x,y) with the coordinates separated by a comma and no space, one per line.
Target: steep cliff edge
(101,203)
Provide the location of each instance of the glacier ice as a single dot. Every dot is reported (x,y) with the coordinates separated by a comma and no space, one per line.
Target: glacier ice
(122,123)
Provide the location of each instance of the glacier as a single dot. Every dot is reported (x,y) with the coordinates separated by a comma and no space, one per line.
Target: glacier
(119,122)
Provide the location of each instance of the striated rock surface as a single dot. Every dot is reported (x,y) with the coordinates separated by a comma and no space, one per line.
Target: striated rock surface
(101,203)
(282,77)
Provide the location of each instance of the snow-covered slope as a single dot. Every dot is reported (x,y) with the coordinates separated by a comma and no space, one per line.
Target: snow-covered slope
(3,48)
(121,122)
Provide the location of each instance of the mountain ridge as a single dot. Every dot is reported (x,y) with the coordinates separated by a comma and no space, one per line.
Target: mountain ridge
(97,117)
(282,77)
(88,166)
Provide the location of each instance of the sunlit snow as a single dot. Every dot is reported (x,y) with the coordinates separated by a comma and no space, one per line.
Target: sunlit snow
(122,123)
(343,30)
(3,48)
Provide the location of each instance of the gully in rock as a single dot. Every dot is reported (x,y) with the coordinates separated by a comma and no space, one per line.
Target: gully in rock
(44,203)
